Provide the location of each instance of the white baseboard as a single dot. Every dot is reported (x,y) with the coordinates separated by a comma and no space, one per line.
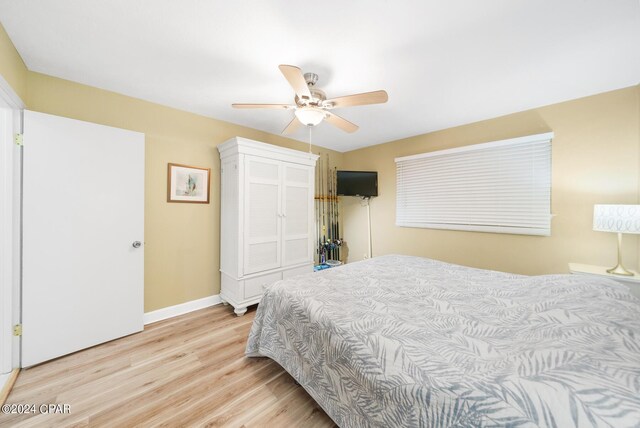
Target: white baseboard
(182,308)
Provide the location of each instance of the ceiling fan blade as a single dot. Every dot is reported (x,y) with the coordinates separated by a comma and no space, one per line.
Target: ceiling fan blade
(292,127)
(340,122)
(295,78)
(375,97)
(274,106)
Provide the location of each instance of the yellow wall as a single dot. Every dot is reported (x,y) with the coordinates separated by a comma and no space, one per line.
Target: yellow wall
(182,240)
(12,67)
(596,153)
(595,156)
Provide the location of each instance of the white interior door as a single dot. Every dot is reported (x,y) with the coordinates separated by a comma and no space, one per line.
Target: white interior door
(298,206)
(83,208)
(263,212)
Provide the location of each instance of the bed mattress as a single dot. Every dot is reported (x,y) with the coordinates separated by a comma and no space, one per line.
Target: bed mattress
(413,342)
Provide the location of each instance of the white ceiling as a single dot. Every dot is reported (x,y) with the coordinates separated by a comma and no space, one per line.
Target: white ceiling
(443,63)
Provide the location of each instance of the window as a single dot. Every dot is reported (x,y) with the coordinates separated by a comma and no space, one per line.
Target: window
(502,186)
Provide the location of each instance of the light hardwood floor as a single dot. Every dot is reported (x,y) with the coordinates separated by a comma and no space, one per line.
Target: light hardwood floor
(185,371)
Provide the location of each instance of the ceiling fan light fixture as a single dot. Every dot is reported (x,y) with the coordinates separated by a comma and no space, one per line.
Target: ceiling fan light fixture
(311,105)
(309,116)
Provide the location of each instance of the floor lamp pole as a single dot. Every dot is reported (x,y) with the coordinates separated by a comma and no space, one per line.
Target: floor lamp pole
(369,225)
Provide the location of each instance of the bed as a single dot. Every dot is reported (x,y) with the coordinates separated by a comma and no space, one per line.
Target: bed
(407,341)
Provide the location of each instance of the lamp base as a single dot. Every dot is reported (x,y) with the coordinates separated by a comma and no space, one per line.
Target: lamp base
(620,270)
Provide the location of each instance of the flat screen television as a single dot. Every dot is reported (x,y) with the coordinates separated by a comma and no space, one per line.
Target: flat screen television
(357,183)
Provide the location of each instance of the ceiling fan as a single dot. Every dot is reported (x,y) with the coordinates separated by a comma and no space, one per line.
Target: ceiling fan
(311,104)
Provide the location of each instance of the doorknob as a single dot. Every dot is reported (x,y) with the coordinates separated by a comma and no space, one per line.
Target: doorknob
(137,244)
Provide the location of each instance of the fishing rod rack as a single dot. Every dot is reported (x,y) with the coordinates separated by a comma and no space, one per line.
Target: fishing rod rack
(327,213)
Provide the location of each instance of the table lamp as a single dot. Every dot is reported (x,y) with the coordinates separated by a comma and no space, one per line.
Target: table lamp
(620,219)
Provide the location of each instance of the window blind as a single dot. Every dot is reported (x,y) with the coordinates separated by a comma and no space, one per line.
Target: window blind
(502,186)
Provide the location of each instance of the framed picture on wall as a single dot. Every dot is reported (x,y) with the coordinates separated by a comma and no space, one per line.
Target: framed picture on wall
(188,184)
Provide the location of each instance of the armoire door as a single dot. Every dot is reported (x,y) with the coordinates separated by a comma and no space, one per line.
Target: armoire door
(297,210)
(83,229)
(263,212)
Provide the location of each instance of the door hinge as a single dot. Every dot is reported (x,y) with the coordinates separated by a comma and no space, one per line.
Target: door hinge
(18,140)
(17,330)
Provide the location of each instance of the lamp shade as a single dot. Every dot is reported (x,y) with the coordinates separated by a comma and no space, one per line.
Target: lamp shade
(616,218)
(309,116)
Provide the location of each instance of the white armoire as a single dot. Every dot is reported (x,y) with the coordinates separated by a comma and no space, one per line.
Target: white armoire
(267,218)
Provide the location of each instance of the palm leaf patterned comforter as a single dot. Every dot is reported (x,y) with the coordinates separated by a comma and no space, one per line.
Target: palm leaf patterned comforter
(406,341)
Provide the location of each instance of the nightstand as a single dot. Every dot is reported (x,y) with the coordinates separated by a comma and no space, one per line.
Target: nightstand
(633,282)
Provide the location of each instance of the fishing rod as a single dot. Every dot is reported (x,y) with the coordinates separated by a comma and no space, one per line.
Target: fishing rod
(329,206)
(319,218)
(336,208)
(323,212)
(334,176)
(316,206)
